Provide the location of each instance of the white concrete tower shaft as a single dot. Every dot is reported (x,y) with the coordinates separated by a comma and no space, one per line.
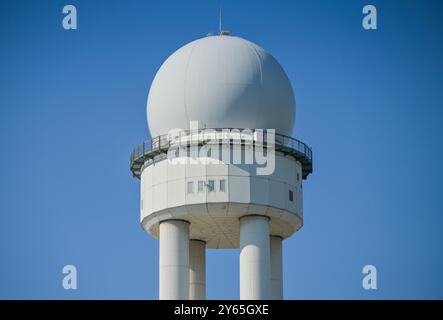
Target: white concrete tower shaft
(276,268)
(254,258)
(197,270)
(174,260)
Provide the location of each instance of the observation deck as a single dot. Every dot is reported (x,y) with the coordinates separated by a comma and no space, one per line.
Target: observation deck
(245,137)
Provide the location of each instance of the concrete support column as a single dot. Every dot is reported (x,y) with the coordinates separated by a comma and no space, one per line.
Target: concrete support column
(174,260)
(197,270)
(254,258)
(276,268)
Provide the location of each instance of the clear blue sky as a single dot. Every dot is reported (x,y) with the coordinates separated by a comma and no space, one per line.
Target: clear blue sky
(72,106)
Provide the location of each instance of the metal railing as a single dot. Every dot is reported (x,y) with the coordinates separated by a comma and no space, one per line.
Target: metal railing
(150,148)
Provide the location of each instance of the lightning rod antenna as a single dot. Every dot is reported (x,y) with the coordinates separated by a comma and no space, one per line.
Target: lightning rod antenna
(220,22)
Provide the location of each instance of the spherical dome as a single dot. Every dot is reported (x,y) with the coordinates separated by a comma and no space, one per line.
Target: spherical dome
(221,82)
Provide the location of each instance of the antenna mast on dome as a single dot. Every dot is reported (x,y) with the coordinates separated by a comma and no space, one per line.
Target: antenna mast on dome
(220,22)
(221,32)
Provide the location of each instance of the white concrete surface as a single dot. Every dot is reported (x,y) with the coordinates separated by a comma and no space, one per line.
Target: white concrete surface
(197,270)
(276,268)
(255,264)
(214,215)
(174,260)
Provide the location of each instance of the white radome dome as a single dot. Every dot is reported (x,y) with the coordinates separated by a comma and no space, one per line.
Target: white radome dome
(221,82)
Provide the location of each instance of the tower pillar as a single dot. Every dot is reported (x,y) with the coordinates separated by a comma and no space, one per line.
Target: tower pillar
(197,270)
(174,260)
(276,268)
(254,258)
